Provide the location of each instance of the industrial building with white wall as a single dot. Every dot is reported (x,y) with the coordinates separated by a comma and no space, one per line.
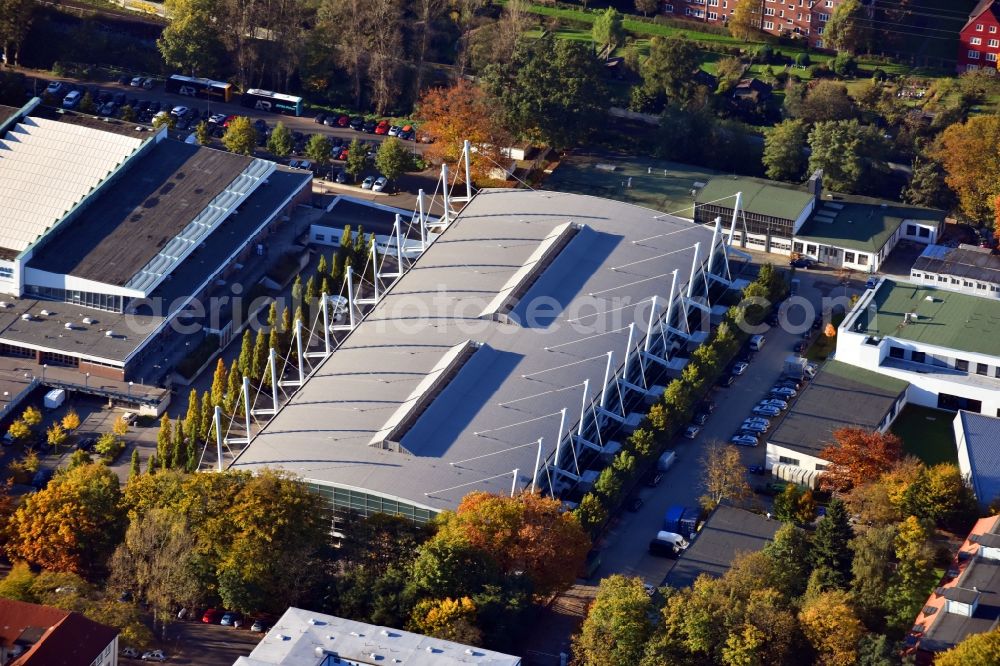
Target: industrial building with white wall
(109,231)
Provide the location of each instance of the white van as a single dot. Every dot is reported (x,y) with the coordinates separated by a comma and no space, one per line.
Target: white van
(666,461)
(677,540)
(757,342)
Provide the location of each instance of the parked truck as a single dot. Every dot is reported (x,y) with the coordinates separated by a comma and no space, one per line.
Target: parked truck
(799,368)
(54,398)
(681,520)
(666,461)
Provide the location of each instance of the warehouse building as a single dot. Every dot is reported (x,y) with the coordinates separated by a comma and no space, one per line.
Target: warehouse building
(527,338)
(110,232)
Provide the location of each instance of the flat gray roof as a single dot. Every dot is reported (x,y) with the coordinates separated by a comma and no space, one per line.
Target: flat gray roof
(839,396)
(966,261)
(298,634)
(508,380)
(728,532)
(129,223)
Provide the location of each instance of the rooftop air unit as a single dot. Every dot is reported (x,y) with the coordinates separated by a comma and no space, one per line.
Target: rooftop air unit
(109,334)
(45,313)
(27,316)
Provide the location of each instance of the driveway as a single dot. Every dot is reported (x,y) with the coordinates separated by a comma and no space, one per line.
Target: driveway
(204,644)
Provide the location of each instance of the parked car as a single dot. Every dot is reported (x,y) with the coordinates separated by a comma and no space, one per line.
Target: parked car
(137,81)
(382,127)
(662,549)
(179,111)
(148,83)
(211,616)
(107,109)
(380,184)
(744,439)
(129,418)
(42,478)
(258,626)
(395,130)
(229,619)
(341,177)
(727,380)
(344,152)
(320,118)
(55,88)
(344,121)
(801,262)
(740,368)
(752,428)
(701,418)
(154,655)
(369,127)
(691,431)
(130,653)
(72,99)
(871,282)
(330,121)
(357,123)
(367,183)
(119,98)
(774,402)
(760,410)
(783,392)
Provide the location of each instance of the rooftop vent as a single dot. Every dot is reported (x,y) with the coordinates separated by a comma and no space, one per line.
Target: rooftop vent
(929,298)
(27,316)
(45,313)
(88,321)
(109,334)
(4,304)
(68,326)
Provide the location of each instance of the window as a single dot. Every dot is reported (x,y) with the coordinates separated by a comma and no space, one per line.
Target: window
(966,283)
(924,232)
(768,25)
(942,278)
(6,272)
(823,17)
(971,68)
(712,16)
(797,247)
(820,467)
(829,3)
(811,249)
(320,237)
(973,55)
(982,369)
(976,41)
(785,460)
(918,356)
(979,27)
(954,280)
(713,3)
(994,43)
(911,230)
(961,365)
(768,11)
(781,13)
(848,257)
(863,259)
(895,352)
(991,57)
(993,29)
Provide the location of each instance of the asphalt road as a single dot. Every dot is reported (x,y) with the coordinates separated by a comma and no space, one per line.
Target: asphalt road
(625,544)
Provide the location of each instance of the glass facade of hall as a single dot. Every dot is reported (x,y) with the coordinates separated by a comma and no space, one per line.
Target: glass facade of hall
(344,504)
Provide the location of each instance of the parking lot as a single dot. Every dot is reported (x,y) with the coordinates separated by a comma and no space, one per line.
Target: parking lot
(625,546)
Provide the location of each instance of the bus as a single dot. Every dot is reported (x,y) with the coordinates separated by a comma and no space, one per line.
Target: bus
(265,100)
(203,88)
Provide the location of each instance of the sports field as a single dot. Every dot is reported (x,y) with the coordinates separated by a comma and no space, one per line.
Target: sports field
(657,184)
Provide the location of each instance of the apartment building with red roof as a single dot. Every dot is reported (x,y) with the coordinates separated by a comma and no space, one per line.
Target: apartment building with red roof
(968,599)
(979,40)
(34,635)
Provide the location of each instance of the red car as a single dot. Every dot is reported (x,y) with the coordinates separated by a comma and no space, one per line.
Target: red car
(343,121)
(212,616)
(229,119)
(382,127)
(343,154)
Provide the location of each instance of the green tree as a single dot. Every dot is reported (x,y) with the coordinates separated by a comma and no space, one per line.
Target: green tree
(128,114)
(318,149)
(260,355)
(392,159)
(846,152)
(831,553)
(56,436)
(15,19)
(617,625)
(825,100)
(357,159)
(914,576)
(87,103)
(133,469)
(70,525)
(647,7)
(164,438)
(927,186)
(31,416)
(789,551)
(79,458)
(162,119)
(746,19)
(280,143)
(218,390)
(233,400)
(192,420)
(179,448)
(591,512)
(608,29)
(240,136)
(191,40)
(669,68)
(784,150)
(246,353)
(552,90)
(19,430)
(202,134)
(609,485)
(832,628)
(871,571)
(972,165)
(849,27)
(449,619)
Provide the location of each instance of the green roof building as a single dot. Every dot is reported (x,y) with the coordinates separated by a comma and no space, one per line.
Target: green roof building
(839,230)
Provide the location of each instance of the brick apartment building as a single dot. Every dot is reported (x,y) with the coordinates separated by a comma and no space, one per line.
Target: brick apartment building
(801,18)
(979,41)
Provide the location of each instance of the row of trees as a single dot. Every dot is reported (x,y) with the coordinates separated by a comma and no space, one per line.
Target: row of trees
(259,543)
(670,414)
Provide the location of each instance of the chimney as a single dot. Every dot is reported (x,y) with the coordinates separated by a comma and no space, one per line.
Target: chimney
(814,186)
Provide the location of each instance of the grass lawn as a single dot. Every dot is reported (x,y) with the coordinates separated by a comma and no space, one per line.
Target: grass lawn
(927,434)
(657,184)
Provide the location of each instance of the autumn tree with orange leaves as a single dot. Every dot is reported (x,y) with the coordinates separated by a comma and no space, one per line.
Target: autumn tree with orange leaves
(972,165)
(858,456)
(73,524)
(462,112)
(528,533)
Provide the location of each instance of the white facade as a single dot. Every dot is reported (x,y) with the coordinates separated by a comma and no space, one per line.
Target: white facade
(780,455)
(932,371)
